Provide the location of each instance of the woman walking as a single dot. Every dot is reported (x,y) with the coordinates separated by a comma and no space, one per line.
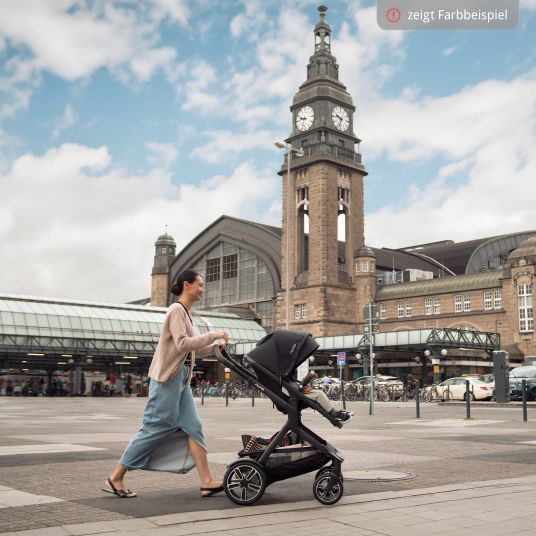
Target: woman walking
(171,406)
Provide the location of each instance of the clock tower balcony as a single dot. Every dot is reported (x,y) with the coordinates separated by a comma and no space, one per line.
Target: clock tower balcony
(329,153)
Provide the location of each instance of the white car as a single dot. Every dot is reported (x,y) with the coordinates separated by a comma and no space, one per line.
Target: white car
(479,390)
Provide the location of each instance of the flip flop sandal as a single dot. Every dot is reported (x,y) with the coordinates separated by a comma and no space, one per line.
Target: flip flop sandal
(121,493)
(208,492)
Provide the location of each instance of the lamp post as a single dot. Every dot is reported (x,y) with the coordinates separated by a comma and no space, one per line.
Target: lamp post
(427,354)
(443,353)
(289,150)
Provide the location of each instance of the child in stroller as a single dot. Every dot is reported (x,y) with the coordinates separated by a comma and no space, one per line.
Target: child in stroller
(270,367)
(321,398)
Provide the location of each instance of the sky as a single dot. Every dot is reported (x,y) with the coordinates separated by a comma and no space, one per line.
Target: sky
(118,118)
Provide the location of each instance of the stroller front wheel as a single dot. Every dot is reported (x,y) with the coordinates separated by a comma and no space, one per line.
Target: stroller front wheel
(244,482)
(323,492)
(326,471)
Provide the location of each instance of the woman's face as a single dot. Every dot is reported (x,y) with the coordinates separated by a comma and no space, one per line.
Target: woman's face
(196,289)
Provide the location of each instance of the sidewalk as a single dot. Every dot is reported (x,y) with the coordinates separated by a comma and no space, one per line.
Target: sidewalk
(494,507)
(402,475)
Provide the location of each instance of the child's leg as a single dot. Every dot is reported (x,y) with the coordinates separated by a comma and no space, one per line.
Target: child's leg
(321,399)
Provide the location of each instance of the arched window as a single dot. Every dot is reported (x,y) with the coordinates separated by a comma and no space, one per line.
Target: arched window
(236,276)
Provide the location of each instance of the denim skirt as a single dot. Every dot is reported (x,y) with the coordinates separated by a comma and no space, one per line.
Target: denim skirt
(168,419)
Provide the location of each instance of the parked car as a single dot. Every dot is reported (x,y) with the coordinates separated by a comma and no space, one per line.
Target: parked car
(516,376)
(479,390)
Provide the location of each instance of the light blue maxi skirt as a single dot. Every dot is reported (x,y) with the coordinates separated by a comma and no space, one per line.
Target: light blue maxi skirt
(169,418)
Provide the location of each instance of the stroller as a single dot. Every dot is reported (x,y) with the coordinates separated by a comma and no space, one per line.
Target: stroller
(270,367)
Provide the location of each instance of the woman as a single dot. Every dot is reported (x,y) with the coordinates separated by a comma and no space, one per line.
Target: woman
(171,405)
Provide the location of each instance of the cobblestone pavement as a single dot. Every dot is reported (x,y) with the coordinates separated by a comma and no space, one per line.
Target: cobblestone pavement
(56,453)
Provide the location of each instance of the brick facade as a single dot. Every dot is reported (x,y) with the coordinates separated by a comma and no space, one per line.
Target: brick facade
(493,309)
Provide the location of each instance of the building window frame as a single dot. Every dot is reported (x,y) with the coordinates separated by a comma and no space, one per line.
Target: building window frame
(230,266)
(383,311)
(300,311)
(458,303)
(467,303)
(400,309)
(409,309)
(497,299)
(524,304)
(437,306)
(365,265)
(213,269)
(488,300)
(428,306)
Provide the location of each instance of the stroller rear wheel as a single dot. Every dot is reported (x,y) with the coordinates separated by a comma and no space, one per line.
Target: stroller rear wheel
(322,491)
(244,482)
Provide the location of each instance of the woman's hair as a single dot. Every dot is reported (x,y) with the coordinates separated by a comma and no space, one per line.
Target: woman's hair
(187,276)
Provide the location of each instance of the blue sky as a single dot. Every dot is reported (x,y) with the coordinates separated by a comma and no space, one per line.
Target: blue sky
(117,118)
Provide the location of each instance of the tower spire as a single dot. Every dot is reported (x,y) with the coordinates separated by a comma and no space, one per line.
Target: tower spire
(322,32)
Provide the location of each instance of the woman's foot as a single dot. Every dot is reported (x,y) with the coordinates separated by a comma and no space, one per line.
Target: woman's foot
(210,488)
(116,487)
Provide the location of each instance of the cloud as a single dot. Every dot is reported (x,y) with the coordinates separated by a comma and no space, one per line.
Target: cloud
(196,90)
(176,10)
(528,4)
(486,134)
(73,39)
(161,155)
(98,241)
(68,119)
(144,65)
(451,50)
(225,144)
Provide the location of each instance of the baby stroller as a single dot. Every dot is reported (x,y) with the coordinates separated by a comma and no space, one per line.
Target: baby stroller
(270,367)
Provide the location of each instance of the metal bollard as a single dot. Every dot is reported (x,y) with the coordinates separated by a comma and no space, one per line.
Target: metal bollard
(226,392)
(342,395)
(252,396)
(524,398)
(417,399)
(467,400)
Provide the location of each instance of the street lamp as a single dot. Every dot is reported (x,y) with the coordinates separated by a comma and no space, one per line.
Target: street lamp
(288,153)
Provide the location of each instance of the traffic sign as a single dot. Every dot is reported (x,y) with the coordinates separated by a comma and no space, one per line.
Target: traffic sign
(341,359)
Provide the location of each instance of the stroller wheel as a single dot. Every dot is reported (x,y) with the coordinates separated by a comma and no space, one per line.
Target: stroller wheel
(324,471)
(244,482)
(322,492)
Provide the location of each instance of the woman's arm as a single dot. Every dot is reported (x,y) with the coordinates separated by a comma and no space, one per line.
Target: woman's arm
(185,343)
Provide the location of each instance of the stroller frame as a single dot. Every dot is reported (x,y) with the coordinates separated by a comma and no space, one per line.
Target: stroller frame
(293,407)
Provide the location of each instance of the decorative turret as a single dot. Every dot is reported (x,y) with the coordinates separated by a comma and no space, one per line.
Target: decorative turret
(165,248)
(365,277)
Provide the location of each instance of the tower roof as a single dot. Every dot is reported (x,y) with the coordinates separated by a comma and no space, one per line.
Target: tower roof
(165,240)
(527,248)
(365,252)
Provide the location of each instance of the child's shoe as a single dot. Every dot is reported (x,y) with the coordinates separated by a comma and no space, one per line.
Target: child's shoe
(344,416)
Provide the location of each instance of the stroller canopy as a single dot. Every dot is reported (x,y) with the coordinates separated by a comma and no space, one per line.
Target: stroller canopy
(282,351)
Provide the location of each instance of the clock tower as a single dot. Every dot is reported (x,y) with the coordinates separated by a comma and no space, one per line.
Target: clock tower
(324,193)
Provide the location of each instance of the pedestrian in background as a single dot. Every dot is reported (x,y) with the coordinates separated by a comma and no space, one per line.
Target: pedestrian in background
(171,405)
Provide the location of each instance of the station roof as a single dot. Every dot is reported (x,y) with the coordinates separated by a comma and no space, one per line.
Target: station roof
(430,287)
(56,328)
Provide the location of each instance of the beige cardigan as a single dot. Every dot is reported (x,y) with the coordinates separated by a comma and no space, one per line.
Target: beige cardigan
(177,339)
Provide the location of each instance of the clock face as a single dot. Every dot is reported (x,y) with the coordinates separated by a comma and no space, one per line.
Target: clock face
(305,118)
(340,118)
